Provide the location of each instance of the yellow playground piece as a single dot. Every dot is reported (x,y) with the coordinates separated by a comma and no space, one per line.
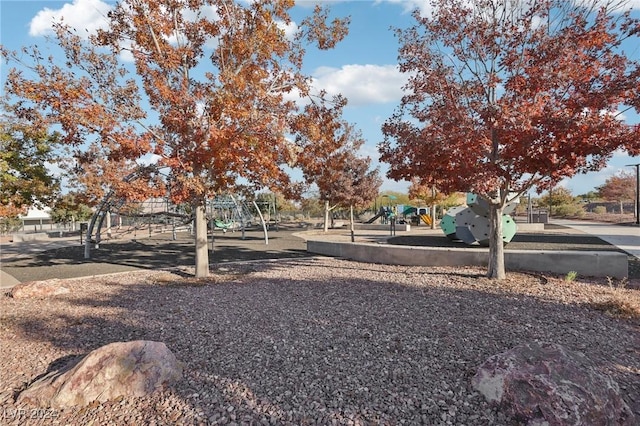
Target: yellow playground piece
(426,219)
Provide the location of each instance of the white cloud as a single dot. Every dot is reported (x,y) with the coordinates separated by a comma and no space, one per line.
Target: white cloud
(362,84)
(289,29)
(615,6)
(410,5)
(148,159)
(621,153)
(126,54)
(86,16)
(426,8)
(312,3)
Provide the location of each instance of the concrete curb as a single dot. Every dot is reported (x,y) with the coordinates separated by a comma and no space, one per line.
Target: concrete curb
(7,281)
(594,264)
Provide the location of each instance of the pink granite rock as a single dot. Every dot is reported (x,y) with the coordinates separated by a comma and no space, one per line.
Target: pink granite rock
(135,368)
(547,384)
(38,289)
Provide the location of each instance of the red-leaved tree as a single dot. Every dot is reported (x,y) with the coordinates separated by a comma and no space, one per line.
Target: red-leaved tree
(428,194)
(506,96)
(328,157)
(208,98)
(620,187)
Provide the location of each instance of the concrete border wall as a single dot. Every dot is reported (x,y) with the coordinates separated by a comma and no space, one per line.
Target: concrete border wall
(39,236)
(405,227)
(585,263)
(400,227)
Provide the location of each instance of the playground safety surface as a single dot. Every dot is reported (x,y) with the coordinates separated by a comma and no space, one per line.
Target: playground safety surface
(155,252)
(524,241)
(160,251)
(554,237)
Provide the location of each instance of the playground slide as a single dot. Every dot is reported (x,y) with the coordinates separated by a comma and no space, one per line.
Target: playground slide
(426,219)
(376,217)
(380,214)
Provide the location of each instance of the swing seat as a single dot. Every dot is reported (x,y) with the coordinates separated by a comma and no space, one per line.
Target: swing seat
(223,225)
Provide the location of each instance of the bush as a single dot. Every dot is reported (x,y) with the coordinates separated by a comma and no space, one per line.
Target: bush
(569,210)
(600,210)
(10,224)
(618,306)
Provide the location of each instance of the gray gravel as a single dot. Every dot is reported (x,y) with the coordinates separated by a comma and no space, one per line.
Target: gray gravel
(313,341)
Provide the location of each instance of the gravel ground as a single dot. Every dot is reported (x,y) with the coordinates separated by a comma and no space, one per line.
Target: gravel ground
(313,340)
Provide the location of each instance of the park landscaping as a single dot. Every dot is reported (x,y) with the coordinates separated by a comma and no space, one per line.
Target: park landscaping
(315,341)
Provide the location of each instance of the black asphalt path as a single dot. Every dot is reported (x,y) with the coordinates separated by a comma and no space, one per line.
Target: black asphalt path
(157,252)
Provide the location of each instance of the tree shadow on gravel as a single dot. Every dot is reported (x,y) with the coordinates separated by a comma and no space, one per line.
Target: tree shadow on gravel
(326,348)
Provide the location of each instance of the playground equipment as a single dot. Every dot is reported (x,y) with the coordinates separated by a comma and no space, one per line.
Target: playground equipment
(426,219)
(423,214)
(385,213)
(381,213)
(417,214)
(470,223)
(227,212)
(159,215)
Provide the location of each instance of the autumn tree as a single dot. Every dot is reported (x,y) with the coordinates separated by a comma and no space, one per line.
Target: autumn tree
(328,159)
(311,205)
(276,202)
(505,96)
(208,97)
(358,185)
(561,202)
(589,196)
(430,195)
(392,197)
(620,187)
(69,208)
(25,179)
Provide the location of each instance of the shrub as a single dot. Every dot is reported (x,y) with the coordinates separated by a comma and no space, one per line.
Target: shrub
(600,210)
(572,210)
(571,276)
(9,224)
(618,306)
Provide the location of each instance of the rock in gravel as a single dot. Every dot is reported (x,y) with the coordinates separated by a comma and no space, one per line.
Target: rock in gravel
(38,289)
(550,384)
(136,368)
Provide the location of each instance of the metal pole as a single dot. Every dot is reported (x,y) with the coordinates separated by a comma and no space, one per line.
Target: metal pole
(637,166)
(264,225)
(637,194)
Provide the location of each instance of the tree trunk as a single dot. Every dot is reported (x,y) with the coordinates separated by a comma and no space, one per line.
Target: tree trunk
(326,216)
(108,218)
(496,268)
(353,236)
(433,208)
(202,251)
(433,216)
(621,207)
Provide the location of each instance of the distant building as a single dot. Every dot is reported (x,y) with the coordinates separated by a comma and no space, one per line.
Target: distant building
(36,218)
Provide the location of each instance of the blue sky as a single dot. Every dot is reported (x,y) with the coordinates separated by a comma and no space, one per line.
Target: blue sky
(362,67)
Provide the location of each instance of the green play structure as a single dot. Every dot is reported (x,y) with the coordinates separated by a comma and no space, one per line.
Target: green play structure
(470,223)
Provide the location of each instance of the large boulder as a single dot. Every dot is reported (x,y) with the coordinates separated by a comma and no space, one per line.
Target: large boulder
(547,384)
(135,368)
(38,289)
